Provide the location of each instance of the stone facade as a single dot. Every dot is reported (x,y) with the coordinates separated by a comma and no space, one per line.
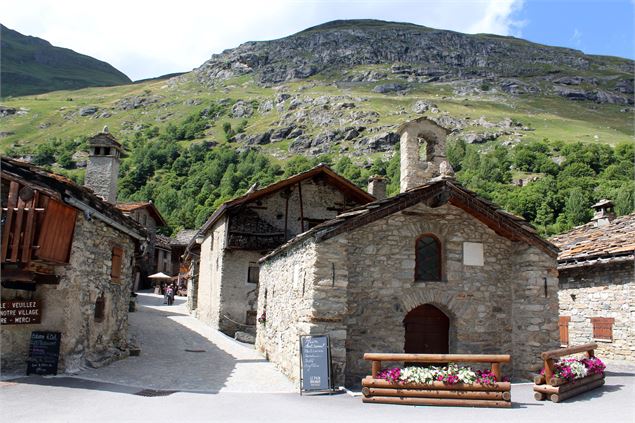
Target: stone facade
(69,307)
(358,286)
(225,298)
(602,290)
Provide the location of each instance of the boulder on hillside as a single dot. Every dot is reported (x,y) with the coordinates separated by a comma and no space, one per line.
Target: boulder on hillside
(87,111)
(389,88)
(242,109)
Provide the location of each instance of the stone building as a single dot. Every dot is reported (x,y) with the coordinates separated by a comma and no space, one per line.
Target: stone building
(67,266)
(244,229)
(597,284)
(434,269)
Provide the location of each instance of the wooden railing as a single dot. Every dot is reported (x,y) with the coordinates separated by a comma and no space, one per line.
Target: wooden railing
(377,390)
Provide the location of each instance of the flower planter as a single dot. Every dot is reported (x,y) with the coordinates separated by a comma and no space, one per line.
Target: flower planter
(553,387)
(379,390)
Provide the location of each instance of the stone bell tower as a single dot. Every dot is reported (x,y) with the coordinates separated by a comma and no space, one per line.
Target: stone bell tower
(103,165)
(422,149)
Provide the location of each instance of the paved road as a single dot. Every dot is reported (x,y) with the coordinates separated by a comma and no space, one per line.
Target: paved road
(230,382)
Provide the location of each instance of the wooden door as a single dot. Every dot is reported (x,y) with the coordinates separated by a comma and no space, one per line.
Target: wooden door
(427,331)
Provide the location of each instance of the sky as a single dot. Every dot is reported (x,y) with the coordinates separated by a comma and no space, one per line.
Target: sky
(145,39)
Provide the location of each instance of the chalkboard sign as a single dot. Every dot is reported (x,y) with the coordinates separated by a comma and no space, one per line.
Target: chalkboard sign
(44,353)
(315,363)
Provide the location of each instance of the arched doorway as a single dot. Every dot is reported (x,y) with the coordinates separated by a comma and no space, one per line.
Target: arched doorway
(427,330)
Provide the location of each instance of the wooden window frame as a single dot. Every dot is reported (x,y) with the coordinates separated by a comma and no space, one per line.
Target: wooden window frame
(116,263)
(603,328)
(249,274)
(563,327)
(440,258)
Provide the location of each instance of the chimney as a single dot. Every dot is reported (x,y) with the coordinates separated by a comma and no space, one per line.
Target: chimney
(422,149)
(377,186)
(103,165)
(603,213)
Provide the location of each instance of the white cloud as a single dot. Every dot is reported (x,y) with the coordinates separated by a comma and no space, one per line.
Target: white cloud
(576,37)
(149,38)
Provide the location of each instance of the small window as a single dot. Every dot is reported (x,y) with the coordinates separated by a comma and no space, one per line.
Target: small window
(116,262)
(100,308)
(253,273)
(602,328)
(250,319)
(563,325)
(428,259)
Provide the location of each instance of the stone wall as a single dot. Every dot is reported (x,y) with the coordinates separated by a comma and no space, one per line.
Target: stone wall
(69,307)
(101,176)
(237,295)
(534,282)
(210,274)
(286,293)
(601,291)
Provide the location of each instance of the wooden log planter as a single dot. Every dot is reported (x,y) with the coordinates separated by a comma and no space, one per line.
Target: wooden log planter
(377,390)
(549,386)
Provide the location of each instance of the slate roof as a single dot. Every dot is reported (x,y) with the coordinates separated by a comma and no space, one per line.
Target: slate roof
(104,139)
(163,241)
(434,194)
(183,237)
(588,245)
(154,212)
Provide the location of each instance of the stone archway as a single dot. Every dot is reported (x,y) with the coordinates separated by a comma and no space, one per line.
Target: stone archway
(427,331)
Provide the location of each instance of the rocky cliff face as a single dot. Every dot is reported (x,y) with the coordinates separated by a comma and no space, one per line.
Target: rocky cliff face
(418,55)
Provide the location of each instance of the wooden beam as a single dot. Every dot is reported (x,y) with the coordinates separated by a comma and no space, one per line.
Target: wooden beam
(27,244)
(11,203)
(439,401)
(440,358)
(569,350)
(381,383)
(301,207)
(436,393)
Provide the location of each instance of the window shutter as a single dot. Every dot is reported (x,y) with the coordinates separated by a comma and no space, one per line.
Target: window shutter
(563,325)
(117,256)
(602,327)
(56,233)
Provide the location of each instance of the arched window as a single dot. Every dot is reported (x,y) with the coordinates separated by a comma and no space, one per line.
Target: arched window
(428,260)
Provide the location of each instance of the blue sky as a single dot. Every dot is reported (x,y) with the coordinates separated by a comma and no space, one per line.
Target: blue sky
(146,38)
(595,27)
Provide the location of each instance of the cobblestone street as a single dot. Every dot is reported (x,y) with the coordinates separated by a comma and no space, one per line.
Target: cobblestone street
(180,353)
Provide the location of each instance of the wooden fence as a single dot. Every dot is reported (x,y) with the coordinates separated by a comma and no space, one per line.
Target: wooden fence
(437,393)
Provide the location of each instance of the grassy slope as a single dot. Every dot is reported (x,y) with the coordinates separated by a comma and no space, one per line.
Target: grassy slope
(31,65)
(56,114)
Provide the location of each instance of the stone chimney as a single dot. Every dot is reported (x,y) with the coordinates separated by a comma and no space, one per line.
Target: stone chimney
(422,149)
(603,213)
(377,186)
(103,165)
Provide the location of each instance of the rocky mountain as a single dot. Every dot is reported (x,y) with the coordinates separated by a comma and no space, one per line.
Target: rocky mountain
(418,54)
(31,65)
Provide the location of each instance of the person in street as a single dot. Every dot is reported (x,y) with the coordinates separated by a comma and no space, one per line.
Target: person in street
(169,295)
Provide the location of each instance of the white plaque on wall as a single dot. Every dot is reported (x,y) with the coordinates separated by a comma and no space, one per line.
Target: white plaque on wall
(473,254)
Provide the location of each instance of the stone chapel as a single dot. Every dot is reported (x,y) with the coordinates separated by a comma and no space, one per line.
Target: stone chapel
(434,269)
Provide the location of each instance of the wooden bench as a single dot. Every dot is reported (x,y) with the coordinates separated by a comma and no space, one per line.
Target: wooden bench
(377,390)
(549,386)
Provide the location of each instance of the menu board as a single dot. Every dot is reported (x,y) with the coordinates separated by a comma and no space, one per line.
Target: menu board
(315,363)
(44,353)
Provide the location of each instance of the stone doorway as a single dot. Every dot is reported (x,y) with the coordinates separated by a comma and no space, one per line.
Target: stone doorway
(427,331)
